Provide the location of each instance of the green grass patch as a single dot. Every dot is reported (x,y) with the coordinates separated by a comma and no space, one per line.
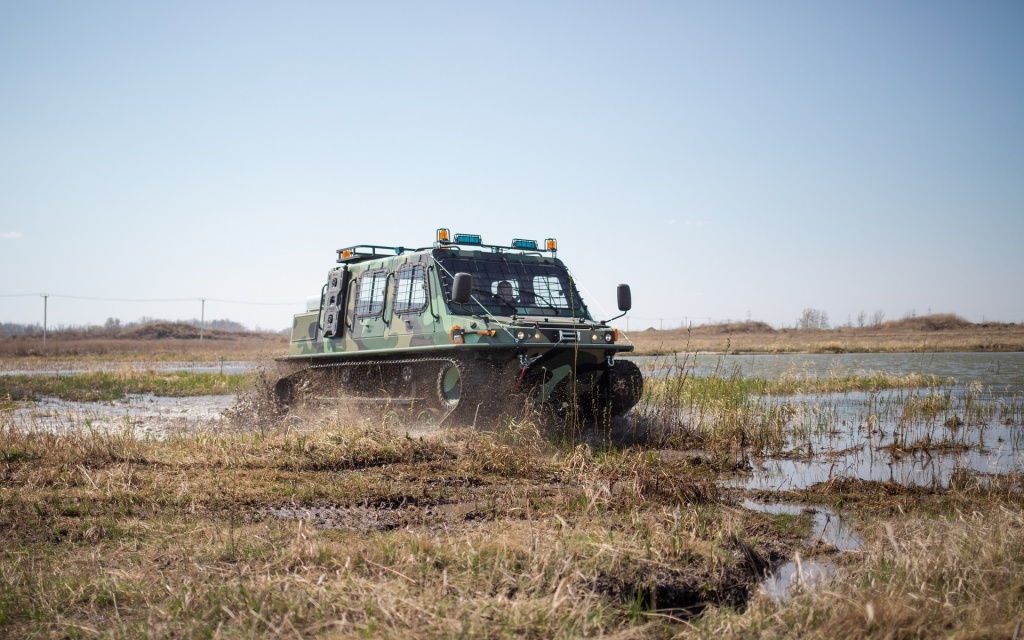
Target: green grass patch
(100,386)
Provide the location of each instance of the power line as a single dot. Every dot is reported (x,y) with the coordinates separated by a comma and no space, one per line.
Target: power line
(273,304)
(147,300)
(93,299)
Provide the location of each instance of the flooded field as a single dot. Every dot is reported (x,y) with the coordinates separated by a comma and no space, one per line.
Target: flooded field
(997,372)
(948,415)
(742,494)
(965,420)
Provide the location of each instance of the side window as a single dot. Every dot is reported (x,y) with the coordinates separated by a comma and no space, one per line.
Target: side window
(370,296)
(410,289)
(549,290)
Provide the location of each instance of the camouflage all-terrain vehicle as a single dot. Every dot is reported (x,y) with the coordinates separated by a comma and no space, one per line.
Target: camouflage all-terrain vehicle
(460,329)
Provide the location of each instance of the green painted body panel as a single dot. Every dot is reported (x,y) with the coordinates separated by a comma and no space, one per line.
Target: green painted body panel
(429,330)
(389,323)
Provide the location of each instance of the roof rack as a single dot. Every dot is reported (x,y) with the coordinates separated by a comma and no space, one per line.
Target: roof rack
(446,240)
(361,252)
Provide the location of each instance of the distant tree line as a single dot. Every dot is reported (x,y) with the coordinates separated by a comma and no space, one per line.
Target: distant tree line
(818,319)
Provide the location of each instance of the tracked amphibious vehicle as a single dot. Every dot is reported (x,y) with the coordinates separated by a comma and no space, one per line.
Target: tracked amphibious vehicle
(459,329)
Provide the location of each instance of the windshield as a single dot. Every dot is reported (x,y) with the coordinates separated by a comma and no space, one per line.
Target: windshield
(505,288)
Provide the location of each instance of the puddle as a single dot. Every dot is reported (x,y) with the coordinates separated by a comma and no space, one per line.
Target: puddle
(827,527)
(797,575)
(146,414)
(828,530)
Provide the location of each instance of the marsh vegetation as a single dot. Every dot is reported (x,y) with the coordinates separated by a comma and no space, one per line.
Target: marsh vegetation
(887,505)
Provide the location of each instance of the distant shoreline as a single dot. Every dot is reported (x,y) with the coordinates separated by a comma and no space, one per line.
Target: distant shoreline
(943,333)
(927,334)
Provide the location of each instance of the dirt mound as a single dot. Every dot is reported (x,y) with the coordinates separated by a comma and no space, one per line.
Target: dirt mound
(934,322)
(164,331)
(751,326)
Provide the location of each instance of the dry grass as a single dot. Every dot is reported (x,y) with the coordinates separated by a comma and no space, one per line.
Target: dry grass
(954,575)
(329,523)
(352,531)
(470,533)
(177,342)
(146,343)
(935,333)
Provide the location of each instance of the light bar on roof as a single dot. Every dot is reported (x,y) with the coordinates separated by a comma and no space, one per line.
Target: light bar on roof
(528,245)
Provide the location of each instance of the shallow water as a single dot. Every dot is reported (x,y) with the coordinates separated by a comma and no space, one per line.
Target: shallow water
(871,436)
(922,436)
(227,367)
(828,529)
(887,436)
(144,414)
(1000,372)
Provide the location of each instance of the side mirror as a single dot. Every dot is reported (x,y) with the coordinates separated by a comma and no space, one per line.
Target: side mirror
(624,296)
(462,288)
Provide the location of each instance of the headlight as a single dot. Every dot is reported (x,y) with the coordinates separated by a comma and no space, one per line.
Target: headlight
(609,337)
(520,335)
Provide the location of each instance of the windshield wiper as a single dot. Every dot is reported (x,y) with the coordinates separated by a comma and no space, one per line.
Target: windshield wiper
(548,303)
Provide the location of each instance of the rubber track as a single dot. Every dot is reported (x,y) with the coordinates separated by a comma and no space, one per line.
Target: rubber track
(476,390)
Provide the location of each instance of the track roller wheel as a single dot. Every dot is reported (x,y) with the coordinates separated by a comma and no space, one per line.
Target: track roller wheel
(284,392)
(449,385)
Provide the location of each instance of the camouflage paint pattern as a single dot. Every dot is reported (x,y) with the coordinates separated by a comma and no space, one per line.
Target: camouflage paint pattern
(558,347)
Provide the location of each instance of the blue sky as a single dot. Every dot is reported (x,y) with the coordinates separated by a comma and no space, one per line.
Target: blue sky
(724,158)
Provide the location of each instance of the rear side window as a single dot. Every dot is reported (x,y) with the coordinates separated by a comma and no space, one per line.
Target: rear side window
(410,289)
(370,295)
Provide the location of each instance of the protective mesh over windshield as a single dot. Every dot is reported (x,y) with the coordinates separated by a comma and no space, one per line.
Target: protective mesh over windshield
(516,288)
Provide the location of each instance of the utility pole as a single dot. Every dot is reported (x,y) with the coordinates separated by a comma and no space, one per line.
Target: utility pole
(45,304)
(202,318)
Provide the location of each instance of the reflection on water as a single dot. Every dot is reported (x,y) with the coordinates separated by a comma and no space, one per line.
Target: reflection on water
(921,436)
(143,414)
(913,438)
(828,529)
(999,372)
(799,574)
